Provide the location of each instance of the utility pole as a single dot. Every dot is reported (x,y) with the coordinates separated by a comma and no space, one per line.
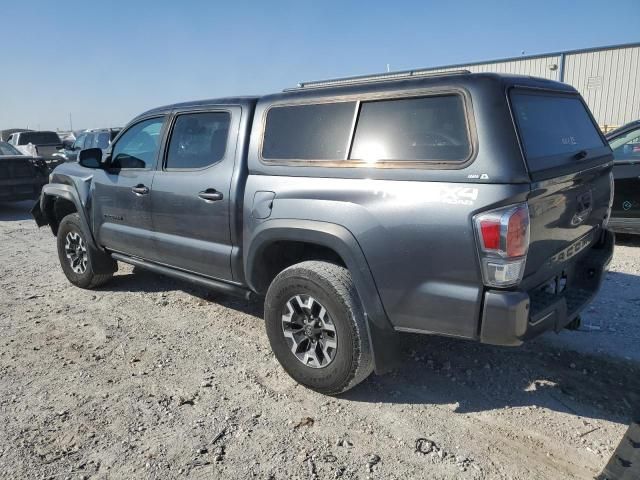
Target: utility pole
(70,123)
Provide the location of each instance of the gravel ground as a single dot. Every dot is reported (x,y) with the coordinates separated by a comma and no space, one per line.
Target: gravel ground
(149,377)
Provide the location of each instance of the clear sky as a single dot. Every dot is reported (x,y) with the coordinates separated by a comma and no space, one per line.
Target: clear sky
(106,61)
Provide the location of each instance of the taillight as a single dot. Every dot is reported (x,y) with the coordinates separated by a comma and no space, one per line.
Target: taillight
(503,242)
(607,217)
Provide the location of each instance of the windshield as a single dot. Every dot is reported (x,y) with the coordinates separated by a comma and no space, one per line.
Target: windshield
(553,127)
(6,149)
(39,138)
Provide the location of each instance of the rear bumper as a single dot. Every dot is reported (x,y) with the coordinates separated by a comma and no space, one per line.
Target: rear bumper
(511,317)
(17,190)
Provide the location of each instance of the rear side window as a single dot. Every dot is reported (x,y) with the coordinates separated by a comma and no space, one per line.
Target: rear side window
(553,128)
(198,140)
(412,129)
(308,132)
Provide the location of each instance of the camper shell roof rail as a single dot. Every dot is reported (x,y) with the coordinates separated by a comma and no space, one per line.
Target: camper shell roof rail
(381,77)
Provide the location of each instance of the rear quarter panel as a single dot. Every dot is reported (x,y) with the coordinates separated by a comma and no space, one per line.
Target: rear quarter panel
(417,238)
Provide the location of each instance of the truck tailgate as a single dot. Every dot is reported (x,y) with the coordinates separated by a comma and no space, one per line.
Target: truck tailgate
(570,164)
(567,216)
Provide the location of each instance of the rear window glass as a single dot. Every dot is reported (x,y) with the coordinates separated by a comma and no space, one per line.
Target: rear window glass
(412,129)
(553,128)
(198,140)
(308,132)
(39,138)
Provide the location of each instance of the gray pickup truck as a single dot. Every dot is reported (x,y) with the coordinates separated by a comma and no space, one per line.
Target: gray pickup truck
(468,205)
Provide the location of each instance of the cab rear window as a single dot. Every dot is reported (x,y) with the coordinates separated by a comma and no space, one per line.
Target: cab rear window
(39,138)
(553,128)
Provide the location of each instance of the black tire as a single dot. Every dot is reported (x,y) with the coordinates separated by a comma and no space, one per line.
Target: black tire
(86,278)
(334,289)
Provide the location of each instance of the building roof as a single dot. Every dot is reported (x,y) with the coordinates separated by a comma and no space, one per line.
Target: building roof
(537,55)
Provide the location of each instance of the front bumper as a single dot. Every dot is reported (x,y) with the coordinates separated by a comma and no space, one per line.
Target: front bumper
(511,317)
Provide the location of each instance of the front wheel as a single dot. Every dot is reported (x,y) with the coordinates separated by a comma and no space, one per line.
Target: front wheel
(76,258)
(317,327)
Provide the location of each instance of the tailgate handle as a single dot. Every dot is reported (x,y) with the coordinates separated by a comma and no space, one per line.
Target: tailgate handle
(581,155)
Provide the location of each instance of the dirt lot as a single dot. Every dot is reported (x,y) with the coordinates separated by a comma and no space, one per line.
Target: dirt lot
(152,378)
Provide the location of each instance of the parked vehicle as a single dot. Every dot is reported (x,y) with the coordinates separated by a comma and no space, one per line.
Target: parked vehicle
(466,205)
(96,138)
(40,144)
(625,213)
(4,134)
(21,176)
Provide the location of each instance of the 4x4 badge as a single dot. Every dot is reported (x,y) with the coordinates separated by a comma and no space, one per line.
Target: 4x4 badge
(481,176)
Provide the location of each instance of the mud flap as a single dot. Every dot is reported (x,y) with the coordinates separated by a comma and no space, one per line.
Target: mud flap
(101,262)
(385,347)
(38,216)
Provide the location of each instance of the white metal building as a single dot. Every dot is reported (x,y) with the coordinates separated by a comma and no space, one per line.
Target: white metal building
(607,77)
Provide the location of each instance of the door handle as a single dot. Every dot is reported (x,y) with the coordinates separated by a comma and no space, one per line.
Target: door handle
(210,195)
(140,189)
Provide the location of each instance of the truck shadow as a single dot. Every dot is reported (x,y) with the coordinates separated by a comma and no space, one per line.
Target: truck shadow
(472,377)
(14,212)
(144,281)
(627,240)
(468,376)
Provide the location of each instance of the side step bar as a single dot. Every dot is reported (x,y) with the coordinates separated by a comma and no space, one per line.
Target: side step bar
(218,285)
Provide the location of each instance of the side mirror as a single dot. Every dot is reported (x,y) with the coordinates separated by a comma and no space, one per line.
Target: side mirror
(90,158)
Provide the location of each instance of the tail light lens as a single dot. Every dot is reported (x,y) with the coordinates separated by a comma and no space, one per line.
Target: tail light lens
(607,217)
(503,242)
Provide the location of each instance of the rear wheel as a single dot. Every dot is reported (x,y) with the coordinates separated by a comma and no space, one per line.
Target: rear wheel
(317,328)
(76,258)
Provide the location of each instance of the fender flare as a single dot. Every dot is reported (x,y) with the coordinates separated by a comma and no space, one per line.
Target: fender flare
(102,262)
(68,192)
(383,338)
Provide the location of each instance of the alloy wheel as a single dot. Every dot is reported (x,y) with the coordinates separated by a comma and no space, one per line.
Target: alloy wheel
(76,252)
(309,331)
